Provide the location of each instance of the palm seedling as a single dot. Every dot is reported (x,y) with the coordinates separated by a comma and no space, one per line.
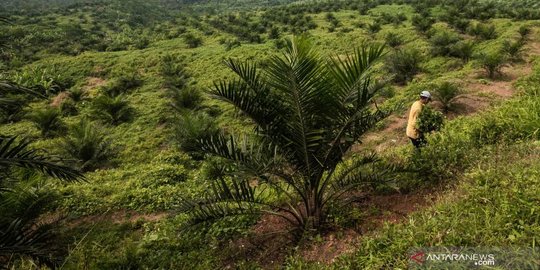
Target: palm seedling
(192,127)
(308,112)
(22,233)
(47,121)
(404,64)
(447,94)
(86,146)
(492,63)
(393,39)
(524,32)
(514,50)
(185,98)
(112,110)
(463,50)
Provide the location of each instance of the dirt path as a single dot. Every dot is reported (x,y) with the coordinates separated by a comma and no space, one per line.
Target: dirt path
(480,93)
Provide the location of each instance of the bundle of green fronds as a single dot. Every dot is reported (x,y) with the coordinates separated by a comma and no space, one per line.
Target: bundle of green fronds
(88,147)
(48,121)
(112,110)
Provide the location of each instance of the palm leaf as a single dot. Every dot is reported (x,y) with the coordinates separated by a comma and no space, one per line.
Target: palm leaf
(17,154)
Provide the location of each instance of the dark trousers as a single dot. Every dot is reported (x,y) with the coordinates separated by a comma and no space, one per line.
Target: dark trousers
(418,142)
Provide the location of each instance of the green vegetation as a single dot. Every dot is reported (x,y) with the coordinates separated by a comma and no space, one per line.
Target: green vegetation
(259,118)
(447,94)
(290,102)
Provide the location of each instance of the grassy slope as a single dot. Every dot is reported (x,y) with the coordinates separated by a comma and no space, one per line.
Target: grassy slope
(147,160)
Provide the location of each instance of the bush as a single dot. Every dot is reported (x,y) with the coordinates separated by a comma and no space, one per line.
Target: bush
(421,23)
(513,50)
(47,121)
(483,31)
(393,39)
(492,62)
(442,42)
(13,111)
(68,108)
(374,27)
(429,120)
(186,98)
(524,32)
(404,64)
(77,94)
(463,50)
(87,146)
(191,128)
(192,41)
(123,84)
(447,93)
(112,110)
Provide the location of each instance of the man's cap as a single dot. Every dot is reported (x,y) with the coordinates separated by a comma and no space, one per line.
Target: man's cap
(425,94)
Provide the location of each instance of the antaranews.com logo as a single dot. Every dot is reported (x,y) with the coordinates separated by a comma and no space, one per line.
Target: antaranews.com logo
(474,257)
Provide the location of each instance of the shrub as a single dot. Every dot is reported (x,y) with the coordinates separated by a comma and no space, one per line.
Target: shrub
(404,64)
(513,50)
(483,31)
(186,98)
(274,33)
(87,146)
(463,50)
(47,121)
(192,41)
(192,127)
(447,93)
(12,111)
(112,110)
(174,71)
(524,32)
(461,24)
(492,62)
(123,84)
(68,108)
(421,23)
(374,27)
(77,94)
(393,39)
(442,42)
(429,120)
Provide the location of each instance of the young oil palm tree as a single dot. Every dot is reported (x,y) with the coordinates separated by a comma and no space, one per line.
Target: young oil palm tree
(112,110)
(21,232)
(308,112)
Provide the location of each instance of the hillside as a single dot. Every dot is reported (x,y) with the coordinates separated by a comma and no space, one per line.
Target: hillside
(127,93)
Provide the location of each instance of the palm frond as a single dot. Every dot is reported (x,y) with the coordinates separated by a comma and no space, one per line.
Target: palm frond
(256,158)
(17,154)
(4,19)
(12,88)
(28,239)
(351,72)
(225,199)
(352,176)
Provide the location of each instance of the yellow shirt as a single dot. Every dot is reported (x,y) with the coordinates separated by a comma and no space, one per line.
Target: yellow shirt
(416,108)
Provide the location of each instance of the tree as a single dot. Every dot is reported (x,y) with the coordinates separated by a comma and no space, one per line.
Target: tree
(308,112)
(21,233)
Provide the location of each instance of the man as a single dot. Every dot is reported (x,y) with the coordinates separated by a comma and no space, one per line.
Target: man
(417,138)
